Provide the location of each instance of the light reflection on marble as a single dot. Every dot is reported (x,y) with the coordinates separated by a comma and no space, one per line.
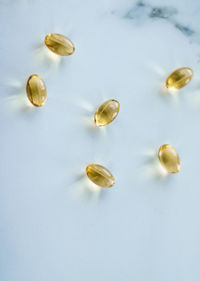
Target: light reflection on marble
(153,170)
(16,97)
(85,189)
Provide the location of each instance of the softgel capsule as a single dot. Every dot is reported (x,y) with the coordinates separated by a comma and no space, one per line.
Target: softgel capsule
(179,78)
(36,90)
(169,158)
(106,113)
(59,44)
(100,175)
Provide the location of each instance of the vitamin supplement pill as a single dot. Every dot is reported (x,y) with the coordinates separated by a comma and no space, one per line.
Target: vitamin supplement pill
(36,90)
(100,175)
(59,44)
(106,113)
(169,158)
(179,78)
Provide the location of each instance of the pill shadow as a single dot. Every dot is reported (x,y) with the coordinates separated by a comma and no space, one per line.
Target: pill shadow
(47,59)
(170,95)
(93,130)
(189,94)
(17,98)
(82,187)
(152,168)
(88,111)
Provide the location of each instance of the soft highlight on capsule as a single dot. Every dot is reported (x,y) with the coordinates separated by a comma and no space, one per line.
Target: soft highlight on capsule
(36,90)
(106,113)
(99,175)
(169,158)
(179,78)
(59,44)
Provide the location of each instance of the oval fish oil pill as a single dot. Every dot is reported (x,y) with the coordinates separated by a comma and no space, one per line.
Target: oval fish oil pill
(36,90)
(179,78)
(106,113)
(100,175)
(169,158)
(59,44)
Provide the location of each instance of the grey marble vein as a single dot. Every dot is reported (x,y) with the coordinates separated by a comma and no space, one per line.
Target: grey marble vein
(143,11)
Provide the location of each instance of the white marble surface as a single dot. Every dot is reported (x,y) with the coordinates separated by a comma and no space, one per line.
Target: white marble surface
(53,224)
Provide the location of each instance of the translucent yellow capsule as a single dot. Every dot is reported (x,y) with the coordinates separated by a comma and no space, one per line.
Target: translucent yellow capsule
(59,44)
(36,90)
(169,158)
(100,175)
(106,113)
(179,78)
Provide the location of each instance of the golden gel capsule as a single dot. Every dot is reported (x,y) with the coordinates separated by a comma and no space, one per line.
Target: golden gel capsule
(59,44)
(100,175)
(179,78)
(106,113)
(36,90)
(169,158)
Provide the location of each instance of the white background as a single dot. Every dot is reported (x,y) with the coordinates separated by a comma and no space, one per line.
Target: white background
(55,226)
